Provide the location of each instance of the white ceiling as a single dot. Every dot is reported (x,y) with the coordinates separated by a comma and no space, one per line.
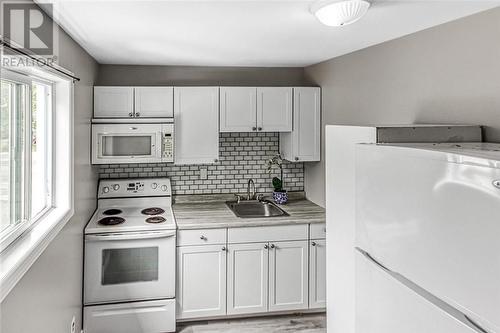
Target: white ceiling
(237,32)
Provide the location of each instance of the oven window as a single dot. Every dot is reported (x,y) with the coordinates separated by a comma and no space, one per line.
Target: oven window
(129,265)
(126,145)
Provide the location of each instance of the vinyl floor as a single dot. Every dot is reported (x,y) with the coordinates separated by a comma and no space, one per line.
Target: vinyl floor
(310,323)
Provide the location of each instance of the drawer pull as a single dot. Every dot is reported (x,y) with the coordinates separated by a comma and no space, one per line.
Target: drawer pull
(203,237)
(313,243)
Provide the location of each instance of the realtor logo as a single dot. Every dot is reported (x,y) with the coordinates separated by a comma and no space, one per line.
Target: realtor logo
(28,28)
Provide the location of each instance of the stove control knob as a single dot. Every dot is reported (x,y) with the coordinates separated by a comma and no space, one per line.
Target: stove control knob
(164,188)
(154,186)
(116,187)
(105,189)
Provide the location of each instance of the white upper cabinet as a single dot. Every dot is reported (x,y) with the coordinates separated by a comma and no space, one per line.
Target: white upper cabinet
(303,143)
(133,102)
(196,119)
(274,109)
(154,102)
(113,102)
(251,109)
(238,109)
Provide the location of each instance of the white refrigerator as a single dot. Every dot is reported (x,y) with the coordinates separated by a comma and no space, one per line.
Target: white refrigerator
(428,238)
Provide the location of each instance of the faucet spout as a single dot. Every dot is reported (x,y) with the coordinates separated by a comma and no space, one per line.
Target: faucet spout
(251,183)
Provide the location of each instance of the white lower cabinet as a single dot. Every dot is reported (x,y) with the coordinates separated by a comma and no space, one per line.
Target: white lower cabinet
(317,273)
(288,276)
(201,281)
(256,274)
(247,281)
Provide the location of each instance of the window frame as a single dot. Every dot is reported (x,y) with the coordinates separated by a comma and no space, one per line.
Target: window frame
(13,231)
(23,251)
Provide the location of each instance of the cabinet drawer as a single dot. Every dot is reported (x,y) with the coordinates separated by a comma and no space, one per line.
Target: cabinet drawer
(265,234)
(201,237)
(317,231)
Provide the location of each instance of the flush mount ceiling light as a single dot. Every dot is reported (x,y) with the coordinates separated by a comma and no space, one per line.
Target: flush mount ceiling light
(336,13)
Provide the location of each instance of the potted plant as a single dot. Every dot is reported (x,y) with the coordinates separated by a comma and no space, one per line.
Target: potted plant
(280,195)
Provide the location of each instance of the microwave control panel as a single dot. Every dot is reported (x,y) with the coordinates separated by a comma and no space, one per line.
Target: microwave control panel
(168,146)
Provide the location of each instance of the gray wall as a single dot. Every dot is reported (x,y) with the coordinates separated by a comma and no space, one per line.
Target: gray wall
(124,75)
(446,74)
(50,293)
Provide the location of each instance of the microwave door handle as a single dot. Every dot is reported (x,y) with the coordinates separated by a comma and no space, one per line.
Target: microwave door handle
(130,236)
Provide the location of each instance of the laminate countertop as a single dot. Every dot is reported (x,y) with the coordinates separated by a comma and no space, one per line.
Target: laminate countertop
(213,213)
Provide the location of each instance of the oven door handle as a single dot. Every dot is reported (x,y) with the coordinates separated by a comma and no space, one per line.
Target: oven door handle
(130,235)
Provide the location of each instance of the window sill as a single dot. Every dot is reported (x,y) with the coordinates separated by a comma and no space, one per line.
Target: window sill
(23,252)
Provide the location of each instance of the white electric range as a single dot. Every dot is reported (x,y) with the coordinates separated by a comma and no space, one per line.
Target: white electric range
(129,272)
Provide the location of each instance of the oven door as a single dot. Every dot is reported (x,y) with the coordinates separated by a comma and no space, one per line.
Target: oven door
(126,143)
(129,266)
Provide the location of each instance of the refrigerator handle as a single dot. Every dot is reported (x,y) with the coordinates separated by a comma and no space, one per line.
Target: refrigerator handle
(369,257)
(476,325)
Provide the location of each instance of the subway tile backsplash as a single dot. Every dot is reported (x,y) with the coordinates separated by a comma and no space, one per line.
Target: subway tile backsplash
(242,156)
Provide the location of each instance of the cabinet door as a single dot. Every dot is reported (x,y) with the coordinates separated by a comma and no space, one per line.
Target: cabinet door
(317,274)
(307,124)
(113,102)
(201,281)
(247,283)
(274,109)
(154,102)
(196,117)
(288,278)
(238,109)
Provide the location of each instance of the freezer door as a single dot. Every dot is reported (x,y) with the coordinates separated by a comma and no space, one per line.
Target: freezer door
(386,305)
(133,317)
(433,219)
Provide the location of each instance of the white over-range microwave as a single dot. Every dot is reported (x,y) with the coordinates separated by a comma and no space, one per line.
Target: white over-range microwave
(132,143)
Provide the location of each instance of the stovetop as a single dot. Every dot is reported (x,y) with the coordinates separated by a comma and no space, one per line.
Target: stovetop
(132,205)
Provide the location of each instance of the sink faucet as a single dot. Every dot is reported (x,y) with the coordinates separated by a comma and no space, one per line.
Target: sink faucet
(251,197)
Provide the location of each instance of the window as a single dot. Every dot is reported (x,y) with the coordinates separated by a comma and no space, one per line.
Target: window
(25,153)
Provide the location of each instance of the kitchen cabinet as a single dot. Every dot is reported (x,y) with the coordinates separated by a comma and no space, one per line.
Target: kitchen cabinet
(288,275)
(154,102)
(274,109)
(201,281)
(133,102)
(317,273)
(196,115)
(255,109)
(247,278)
(303,143)
(113,102)
(238,109)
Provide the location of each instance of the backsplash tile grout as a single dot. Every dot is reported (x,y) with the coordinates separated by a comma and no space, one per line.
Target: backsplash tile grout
(242,156)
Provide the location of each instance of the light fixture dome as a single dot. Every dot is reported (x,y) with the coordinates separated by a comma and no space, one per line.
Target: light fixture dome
(336,13)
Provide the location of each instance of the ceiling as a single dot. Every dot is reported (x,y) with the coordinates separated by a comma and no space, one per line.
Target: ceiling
(239,33)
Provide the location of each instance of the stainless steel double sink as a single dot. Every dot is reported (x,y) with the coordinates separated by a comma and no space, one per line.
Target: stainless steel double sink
(255,209)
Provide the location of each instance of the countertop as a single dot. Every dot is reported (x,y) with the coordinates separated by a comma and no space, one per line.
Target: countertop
(199,212)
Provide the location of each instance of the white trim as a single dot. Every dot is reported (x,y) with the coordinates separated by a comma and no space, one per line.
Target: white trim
(18,257)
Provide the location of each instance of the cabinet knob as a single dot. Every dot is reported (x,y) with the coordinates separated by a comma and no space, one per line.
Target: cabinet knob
(313,243)
(130,114)
(203,237)
(266,246)
(259,128)
(254,128)
(137,114)
(296,158)
(224,249)
(216,160)
(272,246)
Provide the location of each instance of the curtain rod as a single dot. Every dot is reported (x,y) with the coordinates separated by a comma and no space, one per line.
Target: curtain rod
(39,61)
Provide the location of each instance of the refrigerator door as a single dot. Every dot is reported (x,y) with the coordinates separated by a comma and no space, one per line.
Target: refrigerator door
(433,218)
(385,304)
